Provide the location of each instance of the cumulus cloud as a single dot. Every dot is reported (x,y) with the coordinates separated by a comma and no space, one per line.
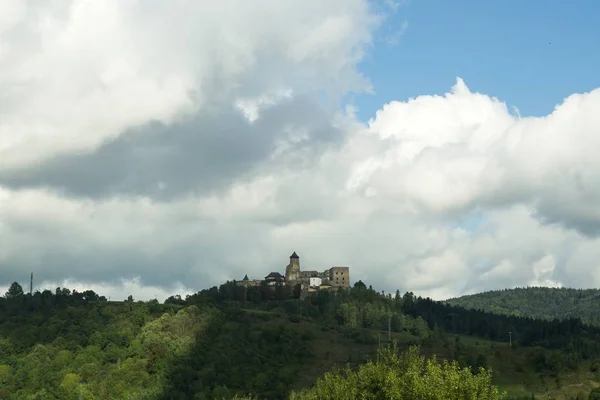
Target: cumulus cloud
(151,148)
(202,154)
(77,74)
(531,181)
(461,150)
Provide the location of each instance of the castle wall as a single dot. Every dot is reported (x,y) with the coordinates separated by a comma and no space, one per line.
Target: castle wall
(313,274)
(254,282)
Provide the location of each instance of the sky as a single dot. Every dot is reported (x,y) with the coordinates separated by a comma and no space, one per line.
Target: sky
(156,148)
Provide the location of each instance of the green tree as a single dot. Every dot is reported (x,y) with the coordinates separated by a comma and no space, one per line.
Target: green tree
(15,290)
(409,376)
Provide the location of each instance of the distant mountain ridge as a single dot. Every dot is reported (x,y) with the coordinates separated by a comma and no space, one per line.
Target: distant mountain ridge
(537,302)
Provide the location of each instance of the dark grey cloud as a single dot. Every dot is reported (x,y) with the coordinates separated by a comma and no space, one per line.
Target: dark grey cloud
(190,260)
(201,155)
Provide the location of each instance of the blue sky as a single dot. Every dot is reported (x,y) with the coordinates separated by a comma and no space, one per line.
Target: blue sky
(529,54)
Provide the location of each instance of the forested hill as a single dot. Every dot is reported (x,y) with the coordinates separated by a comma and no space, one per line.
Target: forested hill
(537,302)
(266,342)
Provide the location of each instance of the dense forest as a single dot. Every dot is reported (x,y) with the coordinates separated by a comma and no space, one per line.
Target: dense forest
(265,342)
(537,302)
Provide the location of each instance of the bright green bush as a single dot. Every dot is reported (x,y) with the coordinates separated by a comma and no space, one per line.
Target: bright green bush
(408,376)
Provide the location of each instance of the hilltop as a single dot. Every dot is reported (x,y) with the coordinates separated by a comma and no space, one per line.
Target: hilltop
(537,302)
(232,340)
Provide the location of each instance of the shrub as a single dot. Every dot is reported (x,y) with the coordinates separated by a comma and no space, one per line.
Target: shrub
(408,376)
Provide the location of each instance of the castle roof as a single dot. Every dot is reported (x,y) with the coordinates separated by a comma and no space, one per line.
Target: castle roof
(294,255)
(274,275)
(246,277)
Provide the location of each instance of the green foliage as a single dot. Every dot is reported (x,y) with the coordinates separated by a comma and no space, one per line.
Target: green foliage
(14,291)
(409,376)
(241,354)
(537,302)
(70,345)
(580,341)
(66,344)
(594,394)
(262,341)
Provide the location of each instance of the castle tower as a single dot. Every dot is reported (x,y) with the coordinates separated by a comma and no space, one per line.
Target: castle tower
(339,276)
(292,271)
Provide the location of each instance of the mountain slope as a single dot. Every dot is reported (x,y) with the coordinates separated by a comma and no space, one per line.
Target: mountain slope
(234,351)
(537,302)
(228,340)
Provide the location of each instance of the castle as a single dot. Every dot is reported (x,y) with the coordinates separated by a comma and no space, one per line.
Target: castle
(309,281)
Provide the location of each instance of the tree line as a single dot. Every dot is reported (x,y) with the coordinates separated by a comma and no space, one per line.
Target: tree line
(233,340)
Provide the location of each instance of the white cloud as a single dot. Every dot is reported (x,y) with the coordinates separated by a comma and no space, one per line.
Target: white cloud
(446,153)
(440,194)
(543,270)
(502,270)
(251,107)
(76,74)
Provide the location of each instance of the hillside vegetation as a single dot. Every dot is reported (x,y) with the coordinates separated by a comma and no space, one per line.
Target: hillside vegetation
(537,302)
(230,341)
(409,376)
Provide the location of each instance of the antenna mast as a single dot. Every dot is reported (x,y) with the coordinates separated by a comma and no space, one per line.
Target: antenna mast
(31,285)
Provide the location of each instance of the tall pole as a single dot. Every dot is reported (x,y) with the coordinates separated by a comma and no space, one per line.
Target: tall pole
(31,285)
(510,339)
